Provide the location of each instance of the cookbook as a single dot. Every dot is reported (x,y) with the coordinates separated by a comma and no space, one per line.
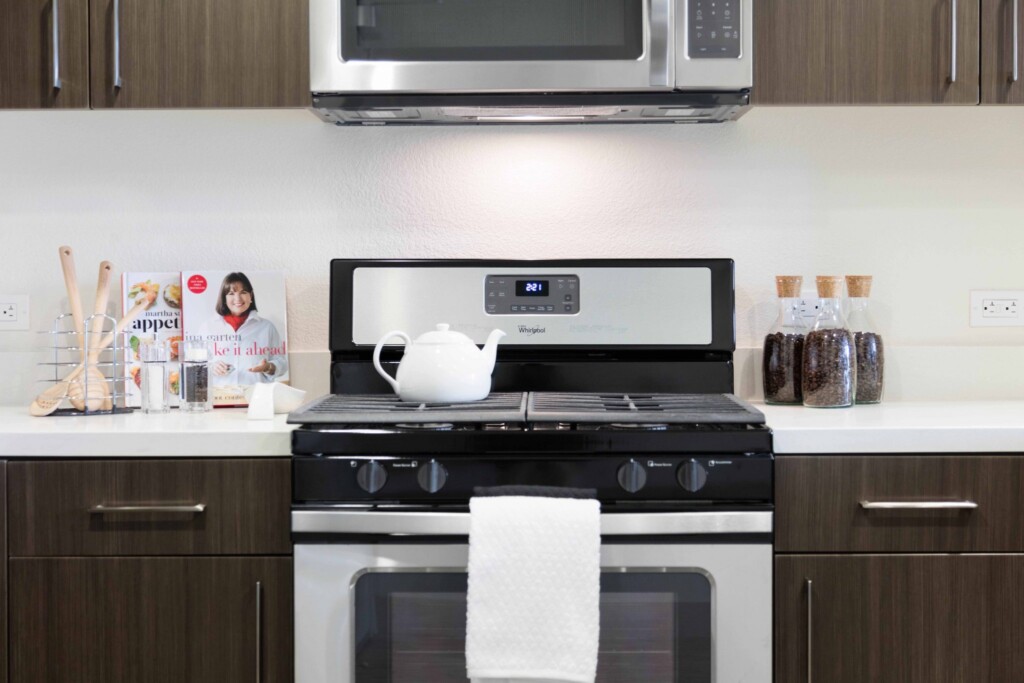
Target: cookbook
(241,316)
(161,319)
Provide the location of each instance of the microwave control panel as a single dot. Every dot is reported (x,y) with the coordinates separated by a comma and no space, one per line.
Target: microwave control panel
(714,29)
(532,295)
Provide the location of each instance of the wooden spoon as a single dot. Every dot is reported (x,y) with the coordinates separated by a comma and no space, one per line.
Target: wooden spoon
(96,395)
(49,400)
(93,375)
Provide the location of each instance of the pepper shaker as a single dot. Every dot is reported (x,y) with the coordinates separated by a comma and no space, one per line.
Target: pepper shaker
(195,377)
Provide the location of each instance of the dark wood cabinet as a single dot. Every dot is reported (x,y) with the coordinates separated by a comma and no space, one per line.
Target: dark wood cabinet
(899,618)
(158,620)
(29,54)
(866,52)
(200,53)
(1001,43)
(3,572)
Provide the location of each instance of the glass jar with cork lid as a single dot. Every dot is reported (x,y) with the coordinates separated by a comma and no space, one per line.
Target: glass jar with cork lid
(867,340)
(829,370)
(784,345)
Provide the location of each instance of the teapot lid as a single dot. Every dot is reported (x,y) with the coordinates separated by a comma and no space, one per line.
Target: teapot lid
(442,334)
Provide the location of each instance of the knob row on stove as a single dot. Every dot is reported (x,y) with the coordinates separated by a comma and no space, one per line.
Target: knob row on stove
(372,476)
(691,476)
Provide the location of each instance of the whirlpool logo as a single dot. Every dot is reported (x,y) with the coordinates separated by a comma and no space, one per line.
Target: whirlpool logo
(529,331)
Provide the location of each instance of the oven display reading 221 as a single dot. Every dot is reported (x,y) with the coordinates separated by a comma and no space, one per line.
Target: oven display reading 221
(531,287)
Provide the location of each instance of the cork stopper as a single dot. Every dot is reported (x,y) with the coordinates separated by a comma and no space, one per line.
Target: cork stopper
(829,286)
(788,286)
(858,285)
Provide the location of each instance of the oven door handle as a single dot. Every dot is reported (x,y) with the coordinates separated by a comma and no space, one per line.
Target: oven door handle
(372,522)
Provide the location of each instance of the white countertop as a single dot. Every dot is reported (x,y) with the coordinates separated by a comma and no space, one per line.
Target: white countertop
(218,433)
(899,427)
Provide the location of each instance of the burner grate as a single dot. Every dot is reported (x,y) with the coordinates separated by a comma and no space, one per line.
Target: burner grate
(389,409)
(640,408)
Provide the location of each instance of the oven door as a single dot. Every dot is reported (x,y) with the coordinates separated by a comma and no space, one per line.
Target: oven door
(452,46)
(685,597)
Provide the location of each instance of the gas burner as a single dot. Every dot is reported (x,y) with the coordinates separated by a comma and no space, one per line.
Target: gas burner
(501,427)
(426,426)
(552,427)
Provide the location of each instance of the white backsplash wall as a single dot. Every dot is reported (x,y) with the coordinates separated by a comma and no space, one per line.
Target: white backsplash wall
(930,200)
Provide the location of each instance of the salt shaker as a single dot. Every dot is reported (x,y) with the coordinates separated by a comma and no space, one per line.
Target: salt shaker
(784,345)
(154,355)
(195,377)
(870,352)
(829,372)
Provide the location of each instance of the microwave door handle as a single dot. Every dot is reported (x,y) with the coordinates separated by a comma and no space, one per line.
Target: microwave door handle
(661,41)
(372,522)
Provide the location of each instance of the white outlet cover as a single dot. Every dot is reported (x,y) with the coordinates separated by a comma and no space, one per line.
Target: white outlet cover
(978,298)
(21,321)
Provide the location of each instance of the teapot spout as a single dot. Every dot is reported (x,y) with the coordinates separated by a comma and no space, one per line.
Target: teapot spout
(490,350)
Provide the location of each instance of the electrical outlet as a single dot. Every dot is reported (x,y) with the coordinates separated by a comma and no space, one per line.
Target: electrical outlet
(997,308)
(808,307)
(14,312)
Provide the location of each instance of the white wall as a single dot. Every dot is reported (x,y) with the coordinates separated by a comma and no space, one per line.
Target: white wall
(929,200)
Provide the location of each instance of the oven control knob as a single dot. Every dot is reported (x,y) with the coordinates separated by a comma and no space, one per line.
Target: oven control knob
(692,476)
(371,477)
(632,476)
(432,476)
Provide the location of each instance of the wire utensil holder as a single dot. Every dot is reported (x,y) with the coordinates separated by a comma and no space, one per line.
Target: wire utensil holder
(107,363)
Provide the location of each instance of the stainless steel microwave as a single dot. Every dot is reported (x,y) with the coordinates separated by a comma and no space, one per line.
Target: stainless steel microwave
(376,62)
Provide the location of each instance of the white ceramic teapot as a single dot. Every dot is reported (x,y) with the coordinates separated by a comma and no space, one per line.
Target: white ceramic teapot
(441,366)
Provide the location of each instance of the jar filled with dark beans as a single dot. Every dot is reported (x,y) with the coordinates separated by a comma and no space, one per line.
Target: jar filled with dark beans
(784,345)
(829,370)
(870,350)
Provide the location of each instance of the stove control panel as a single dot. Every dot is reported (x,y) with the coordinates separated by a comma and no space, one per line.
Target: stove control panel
(532,294)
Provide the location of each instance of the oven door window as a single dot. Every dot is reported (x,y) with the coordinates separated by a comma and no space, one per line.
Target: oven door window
(491,30)
(410,627)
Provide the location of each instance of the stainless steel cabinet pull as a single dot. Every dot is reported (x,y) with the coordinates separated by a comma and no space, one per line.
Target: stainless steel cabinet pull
(196,509)
(259,632)
(810,628)
(1016,42)
(117,45)
(56,44)
(918,505)
(952,59)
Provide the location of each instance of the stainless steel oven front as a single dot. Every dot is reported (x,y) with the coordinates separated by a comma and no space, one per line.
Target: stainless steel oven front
(466,46)
(380,596)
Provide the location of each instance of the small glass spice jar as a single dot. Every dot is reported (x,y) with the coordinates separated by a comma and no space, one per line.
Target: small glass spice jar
(784,345)
(195,377)
(829,372)
(867,340)
(154,355)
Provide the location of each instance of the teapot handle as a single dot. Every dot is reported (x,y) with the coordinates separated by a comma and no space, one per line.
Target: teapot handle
(376,355)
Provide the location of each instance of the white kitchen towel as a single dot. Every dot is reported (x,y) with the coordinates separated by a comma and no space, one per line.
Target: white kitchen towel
(534,589)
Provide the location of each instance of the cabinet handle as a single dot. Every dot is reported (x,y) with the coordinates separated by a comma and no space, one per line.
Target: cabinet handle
(56,44)
(1017,29)
(919,505)
(117,45)
(952,59)
(810,628)
(196,509)
(259,632)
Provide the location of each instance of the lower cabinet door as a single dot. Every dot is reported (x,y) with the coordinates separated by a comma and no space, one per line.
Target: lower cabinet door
(151,620)
(899,618)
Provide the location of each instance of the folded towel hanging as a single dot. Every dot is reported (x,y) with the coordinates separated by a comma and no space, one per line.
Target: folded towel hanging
(534,587)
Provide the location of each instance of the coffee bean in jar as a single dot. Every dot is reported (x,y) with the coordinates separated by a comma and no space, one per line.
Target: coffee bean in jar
(870,351)
(829,371)
(784,344)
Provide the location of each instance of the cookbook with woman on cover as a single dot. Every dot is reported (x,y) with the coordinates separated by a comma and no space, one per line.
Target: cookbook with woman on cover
(241,316)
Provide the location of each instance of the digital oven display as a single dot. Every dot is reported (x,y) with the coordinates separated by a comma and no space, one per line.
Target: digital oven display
(532,287)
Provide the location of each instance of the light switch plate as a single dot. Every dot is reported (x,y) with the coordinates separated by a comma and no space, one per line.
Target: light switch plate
(997,308)
(14,312)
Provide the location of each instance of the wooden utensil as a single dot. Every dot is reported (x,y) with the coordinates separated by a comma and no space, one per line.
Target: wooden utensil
(99,310)
(48,401)
(67,263)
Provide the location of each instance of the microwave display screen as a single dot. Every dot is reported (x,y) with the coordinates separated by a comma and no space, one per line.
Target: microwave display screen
(531,287)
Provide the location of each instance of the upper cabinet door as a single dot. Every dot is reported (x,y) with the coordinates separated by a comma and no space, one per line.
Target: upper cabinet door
(866,52)
(44,54)
(1002,39)
(199,53)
